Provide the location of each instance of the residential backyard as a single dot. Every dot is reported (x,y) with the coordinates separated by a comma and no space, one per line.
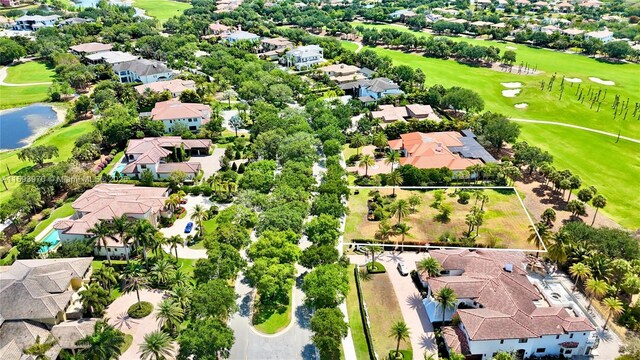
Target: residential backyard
(384,311)
(505,221)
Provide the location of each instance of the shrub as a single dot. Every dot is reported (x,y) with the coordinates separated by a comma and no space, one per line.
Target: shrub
(46,213)
(138,311)
(31,225)
(463,197)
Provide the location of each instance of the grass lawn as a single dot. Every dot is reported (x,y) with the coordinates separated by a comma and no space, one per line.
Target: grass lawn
(162,9)
(63,211)
(384,311)
(505,219)
(278,320)
(128,339)
(355,319)
(10,255)
(349,45)
(60,136)
(612,168)
(30,72)
(22,95)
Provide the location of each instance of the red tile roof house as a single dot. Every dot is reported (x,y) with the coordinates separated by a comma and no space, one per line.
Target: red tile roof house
(173,112)
(152,153)
(175,87)
(90,48)
(435,150)
(500,309)
(106,201)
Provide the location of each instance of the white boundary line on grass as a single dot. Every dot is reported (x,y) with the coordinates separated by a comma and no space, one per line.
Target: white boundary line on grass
(544,250)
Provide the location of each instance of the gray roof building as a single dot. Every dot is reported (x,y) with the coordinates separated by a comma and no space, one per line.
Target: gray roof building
(142,67)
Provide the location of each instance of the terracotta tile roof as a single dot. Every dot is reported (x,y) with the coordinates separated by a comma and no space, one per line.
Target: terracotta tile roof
(174,109)
(507,298)
(186,167)
(106,201)
(152,150)
(456,339)
(92,47)
(340,69)
(173,86)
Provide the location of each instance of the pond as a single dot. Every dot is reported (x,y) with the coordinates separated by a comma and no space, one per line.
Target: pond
(94,3)
(18,127)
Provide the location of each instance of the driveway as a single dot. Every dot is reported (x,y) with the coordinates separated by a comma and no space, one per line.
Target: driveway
(422,335)
(210,163)
(228,114)
(180,224)
(116,313)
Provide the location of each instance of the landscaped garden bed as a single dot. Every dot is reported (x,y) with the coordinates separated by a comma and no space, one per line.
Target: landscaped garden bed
(140,310)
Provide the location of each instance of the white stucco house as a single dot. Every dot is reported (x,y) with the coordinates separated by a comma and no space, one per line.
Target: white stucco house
(499,308)
(105,202)
(304,57)
(35,22)
(142,70)
(604,35)
(240,35)
(174,112)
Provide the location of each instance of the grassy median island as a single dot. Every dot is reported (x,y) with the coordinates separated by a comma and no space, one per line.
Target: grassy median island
(270,321)
(505,222)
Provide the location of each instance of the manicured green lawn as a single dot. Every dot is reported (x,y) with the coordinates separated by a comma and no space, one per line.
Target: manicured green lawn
(63,211)
(30,72)
(128,339)
(349,45)
(612,168)
(355,319)
(14,96)
(543,105)
(278,320)
(62,137)
(162,9)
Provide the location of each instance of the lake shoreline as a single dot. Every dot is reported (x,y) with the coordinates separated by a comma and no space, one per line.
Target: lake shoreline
(61,113)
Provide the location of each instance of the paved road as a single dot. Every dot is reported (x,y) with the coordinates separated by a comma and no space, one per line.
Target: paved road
(3,75)
(576,127)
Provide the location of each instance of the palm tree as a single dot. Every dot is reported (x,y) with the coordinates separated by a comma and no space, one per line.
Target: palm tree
(174,241)
(199,215)
(365,162)
(430,266)
(156,243)
(580,272)
(414,202)
(106,276)
(402,229)
(446,297)
(394,179)
(385,230)
(400,332)
(94,299)
(181,294)
(156,346)
(392,158)
(380,140)
(598,201)
(39,350)
(170,314)
(358,140)
(503,355)
(613,307)
(173,202)
(135,280)
(162,271)
(101,232)
(548,216)
(103,344)
(144,232)
(596,289)
(121,227)
(400,208)
(538,235)
(557,251)
(373,250)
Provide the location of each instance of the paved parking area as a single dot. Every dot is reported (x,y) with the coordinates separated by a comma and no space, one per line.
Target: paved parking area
(210,163)
(422,335)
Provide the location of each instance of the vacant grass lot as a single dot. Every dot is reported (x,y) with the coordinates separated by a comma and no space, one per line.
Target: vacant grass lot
(612,168)
(542,104)
(162,9)
(62,137)
(384,311)
(505,219)
(355,319)
(30,72)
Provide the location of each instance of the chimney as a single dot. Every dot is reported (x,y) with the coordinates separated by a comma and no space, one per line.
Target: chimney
(508,267)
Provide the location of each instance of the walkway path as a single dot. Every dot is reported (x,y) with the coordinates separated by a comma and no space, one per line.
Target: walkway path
(576,127)
(3,76)
(138,328)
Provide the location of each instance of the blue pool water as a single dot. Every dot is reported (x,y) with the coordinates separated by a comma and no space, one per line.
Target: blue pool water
(50,241)
(17,125)
(118,168)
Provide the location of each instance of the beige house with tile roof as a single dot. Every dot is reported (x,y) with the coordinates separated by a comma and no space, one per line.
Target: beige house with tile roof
(107,201)
(174,112)
(175,87)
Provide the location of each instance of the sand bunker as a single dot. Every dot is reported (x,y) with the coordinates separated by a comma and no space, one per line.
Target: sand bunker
(521,106)
(512,85)
(573,80)
(511,48)
(602,82)
(510,93)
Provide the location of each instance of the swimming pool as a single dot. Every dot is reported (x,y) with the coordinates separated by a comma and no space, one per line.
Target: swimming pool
(118,168)
(50,241)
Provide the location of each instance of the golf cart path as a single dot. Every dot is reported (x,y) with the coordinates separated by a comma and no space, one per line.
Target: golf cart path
(3,76)
(576,127)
